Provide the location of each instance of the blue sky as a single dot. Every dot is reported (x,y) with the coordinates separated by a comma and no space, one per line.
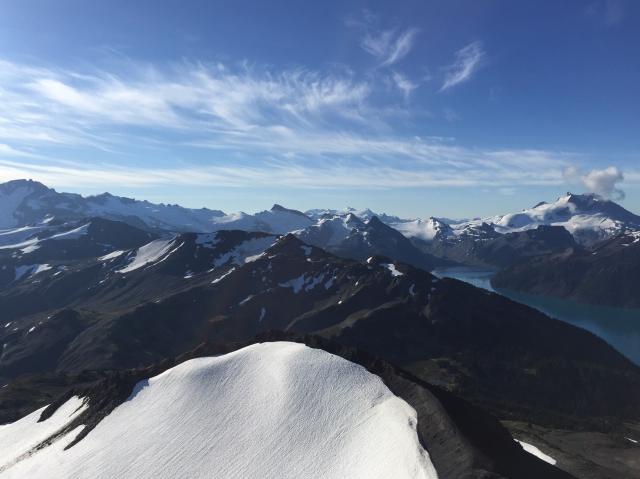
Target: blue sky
(416,108)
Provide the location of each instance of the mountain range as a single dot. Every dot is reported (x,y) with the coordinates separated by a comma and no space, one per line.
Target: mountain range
(98,300)
(589,218)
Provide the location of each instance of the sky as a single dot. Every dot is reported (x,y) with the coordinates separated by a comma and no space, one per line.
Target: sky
(414,108)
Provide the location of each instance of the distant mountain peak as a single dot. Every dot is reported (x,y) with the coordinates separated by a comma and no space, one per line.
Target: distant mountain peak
(279,208)
(13,185)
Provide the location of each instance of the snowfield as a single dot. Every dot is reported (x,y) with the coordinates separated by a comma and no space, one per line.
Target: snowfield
(274,410)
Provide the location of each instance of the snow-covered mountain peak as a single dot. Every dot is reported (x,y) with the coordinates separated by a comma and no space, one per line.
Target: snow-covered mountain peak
(588,217)
(426,230)
(272,410)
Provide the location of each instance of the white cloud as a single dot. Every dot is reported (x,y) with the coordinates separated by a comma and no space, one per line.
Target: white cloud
(389,46)
(602,182)
(466,63)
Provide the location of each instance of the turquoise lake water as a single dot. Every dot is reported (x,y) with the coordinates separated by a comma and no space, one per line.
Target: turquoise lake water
(619,327)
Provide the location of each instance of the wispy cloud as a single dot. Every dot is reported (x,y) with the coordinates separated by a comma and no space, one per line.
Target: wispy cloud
(333,176)
(467,61)
(389,46)
(244,127)
(403,84)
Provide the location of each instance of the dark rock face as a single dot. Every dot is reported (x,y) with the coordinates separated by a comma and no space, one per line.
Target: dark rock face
(607,274)
(497,353)
(462,440)
(484,247)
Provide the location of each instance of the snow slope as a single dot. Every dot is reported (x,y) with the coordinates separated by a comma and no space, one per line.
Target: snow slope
(273,410)
(149,254)
(18,438)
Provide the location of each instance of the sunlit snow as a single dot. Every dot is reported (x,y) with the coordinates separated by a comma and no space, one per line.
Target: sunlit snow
(269,411)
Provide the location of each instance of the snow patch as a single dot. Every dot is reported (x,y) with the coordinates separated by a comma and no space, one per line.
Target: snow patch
(392,268)
(302,281)
(245,300)
(246,251)
(296,283)
(30,270)
(536,452)
(112,255)
(72,234)
(207,240)
(220,278)
(151,253)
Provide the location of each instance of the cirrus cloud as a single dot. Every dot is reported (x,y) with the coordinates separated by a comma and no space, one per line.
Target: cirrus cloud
(240,126)
(467,61)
